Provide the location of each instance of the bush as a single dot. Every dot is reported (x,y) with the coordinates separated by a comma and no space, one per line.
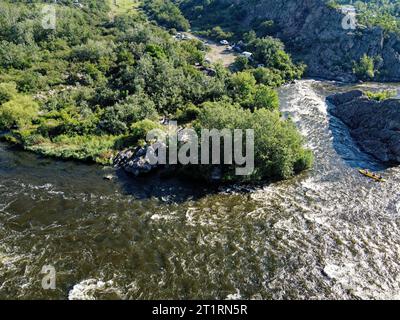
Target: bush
(118,118)
(140,129)
(241,63)
(270,52)
(242,86)
(18,112)
(86,148)
(15,55)
(92,51)
(382,95)
(50,127)
(217,33)
(187,114)
(365,68)
(269,77)
(8,91)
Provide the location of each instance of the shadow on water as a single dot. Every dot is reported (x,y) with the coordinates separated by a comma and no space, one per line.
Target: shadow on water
(83,178)
(347,148)
(167,189)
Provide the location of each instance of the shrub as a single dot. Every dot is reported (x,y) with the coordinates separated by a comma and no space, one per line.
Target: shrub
(382,95)
(92,51)
(19,112)
(50,127)
(118,118)
(270,52)
(365,68)
(189,113)
(8,90)
(269,77)
(87,148)
(15,55)
(218,33)
(241,63)
(139,130)
(167,14)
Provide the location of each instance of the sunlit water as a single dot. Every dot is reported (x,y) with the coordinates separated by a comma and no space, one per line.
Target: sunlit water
(328,233)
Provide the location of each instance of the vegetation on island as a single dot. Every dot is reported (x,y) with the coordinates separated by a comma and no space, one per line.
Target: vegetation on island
(381,95)
(364,69)
(98,83)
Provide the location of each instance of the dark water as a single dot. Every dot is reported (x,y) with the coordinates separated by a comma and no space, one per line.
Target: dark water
(329,233)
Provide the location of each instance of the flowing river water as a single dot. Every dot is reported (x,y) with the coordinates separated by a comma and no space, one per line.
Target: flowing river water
(328,233)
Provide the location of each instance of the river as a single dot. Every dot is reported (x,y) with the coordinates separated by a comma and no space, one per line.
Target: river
(329,233)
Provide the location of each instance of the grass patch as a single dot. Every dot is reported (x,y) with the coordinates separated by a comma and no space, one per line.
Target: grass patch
(119,7)
(85,148)
(381,95)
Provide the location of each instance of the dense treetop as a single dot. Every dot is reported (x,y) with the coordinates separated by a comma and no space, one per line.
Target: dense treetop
(97,83)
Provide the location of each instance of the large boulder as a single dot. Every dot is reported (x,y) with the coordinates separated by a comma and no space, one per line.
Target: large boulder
(135,161)
(374,125)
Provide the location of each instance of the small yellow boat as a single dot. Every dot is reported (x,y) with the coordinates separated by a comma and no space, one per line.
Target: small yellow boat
(372,175)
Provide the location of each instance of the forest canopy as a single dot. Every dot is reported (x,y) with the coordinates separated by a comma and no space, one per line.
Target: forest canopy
(95,84)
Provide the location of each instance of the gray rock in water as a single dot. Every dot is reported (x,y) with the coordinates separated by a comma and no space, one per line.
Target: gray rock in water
(338,99)
(374,125)
(134,161)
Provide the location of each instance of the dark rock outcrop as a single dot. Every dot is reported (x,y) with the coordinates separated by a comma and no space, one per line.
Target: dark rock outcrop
(135,161)
(374,125)
(313,32)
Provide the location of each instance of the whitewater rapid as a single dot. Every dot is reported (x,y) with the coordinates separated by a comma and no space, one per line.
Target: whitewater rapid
(328,233)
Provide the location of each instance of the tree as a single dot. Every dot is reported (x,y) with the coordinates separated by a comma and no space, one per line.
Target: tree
(117,119)
(15,55)
(265,97)
(167,14)
(278,147)
(242,86)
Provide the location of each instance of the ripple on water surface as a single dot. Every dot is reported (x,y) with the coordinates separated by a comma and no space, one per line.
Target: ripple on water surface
(328,233)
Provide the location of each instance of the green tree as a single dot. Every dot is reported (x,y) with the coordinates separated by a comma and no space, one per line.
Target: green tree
(265,97)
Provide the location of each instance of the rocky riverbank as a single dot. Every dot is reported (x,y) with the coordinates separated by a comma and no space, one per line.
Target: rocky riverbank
(313,32)
(374,125)
(135,161)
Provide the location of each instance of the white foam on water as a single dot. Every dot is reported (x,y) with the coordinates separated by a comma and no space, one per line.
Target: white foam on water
(334,216)
(234,296)
(93,289)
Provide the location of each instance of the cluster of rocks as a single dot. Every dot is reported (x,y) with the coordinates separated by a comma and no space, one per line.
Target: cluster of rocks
(374,125)
(135,161)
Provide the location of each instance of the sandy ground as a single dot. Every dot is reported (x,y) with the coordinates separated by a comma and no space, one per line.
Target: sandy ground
(218,53)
